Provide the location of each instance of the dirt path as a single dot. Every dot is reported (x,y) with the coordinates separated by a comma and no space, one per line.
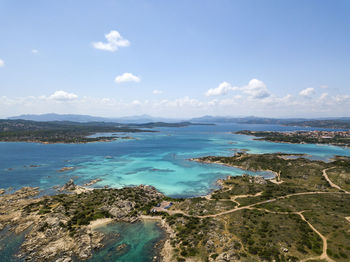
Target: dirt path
(324,171)
(264,202)
(233,198)
(324,255)
(324,240)
(173,212)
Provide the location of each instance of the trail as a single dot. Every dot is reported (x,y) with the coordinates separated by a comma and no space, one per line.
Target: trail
(330,182)
(323,256)
(173,212)
(233,198)
(237,208)
(324,240)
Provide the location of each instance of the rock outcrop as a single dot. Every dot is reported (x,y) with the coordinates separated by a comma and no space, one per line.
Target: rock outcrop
(58,226)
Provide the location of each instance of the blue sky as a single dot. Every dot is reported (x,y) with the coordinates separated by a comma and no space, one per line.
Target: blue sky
(175,58)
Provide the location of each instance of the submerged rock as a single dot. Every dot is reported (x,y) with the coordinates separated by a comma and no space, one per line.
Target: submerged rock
(67,168)
(92,182)
(121,247)
(68,186)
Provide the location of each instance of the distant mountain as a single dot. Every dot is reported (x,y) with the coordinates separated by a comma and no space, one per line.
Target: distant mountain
(145,119)
(262,120)
(58,117)
(331,122)
(215,119)
(88,118)
(247,120)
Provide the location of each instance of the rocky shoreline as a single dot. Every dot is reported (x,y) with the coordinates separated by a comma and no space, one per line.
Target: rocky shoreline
(208,160)
(166,251)
(61,227)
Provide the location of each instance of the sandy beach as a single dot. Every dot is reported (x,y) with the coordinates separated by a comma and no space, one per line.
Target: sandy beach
(100,222)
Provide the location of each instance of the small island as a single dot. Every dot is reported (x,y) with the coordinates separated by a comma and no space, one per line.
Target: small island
(336,138)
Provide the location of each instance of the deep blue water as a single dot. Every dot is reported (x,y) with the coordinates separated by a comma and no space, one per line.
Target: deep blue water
(158,159)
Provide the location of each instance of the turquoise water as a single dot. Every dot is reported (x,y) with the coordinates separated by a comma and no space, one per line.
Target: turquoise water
(158,159)
(138,238)
(9,245)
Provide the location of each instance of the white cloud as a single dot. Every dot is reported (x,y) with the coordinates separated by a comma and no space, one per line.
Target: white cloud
(222,89)
(114,41)
(324,86)
(255,89)
(323,96)
(307,92)
(35,51)
(251,99)
(157,92)
(2,63)
(127,77)
(272,106)
(63,96)
(136,102)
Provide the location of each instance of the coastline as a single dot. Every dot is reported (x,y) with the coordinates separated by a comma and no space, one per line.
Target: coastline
(62,142)
(100,222)
(166,250)
(291,143)
(228,165)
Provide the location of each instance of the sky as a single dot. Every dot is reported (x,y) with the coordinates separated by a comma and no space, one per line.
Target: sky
(178,59)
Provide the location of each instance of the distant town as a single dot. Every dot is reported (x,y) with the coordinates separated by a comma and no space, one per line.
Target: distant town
(337,138)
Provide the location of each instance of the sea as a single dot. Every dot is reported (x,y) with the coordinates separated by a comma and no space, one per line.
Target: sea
(160,159)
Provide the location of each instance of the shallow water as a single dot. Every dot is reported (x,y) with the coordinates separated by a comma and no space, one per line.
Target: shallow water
(158,159)
(139,240)
(9,245)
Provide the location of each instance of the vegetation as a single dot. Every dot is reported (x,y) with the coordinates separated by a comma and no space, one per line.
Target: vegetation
(293,217)
(265,220)
(81,209)
(337,138)
(341,123)
(70,132)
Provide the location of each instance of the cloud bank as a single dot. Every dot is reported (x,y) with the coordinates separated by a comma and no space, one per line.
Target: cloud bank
(254,98)
(63,102)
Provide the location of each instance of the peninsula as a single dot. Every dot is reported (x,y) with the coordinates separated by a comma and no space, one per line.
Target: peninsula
(72,132)
(336,138)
